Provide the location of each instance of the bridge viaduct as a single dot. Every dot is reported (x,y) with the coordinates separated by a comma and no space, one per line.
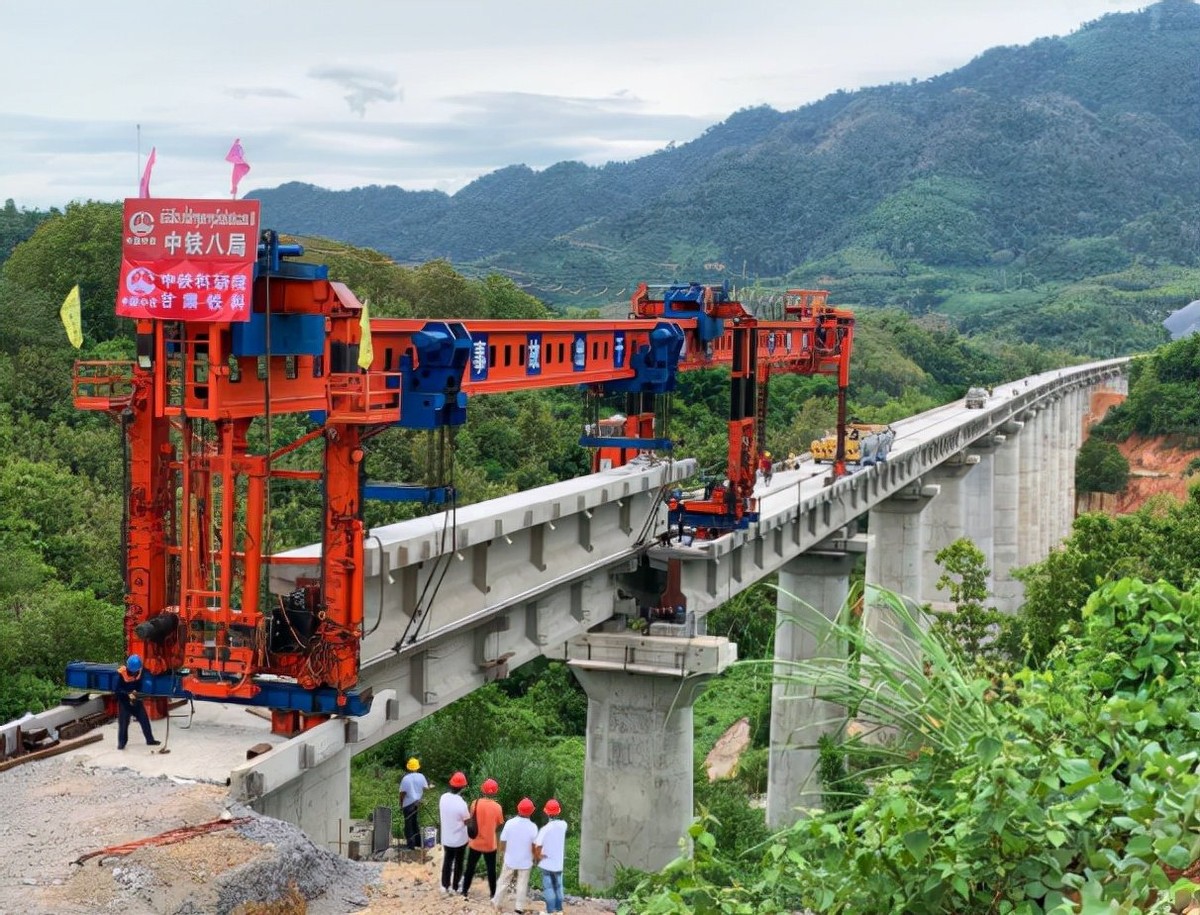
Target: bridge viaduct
(459,599)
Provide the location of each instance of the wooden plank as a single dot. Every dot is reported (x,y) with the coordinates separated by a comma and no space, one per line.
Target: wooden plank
(258,750)
(52,751)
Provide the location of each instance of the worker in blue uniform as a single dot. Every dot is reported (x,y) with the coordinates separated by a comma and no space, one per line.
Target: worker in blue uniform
(129,702)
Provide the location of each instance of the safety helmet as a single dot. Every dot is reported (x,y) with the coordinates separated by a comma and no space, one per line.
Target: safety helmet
(134,663)
(552,808)
(766,454)
(458,780)
(413,764)
(489,786)
(525,807)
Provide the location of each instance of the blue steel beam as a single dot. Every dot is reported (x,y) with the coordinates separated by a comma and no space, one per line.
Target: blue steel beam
(276,694)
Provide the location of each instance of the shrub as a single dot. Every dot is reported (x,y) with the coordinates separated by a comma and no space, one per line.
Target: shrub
(1100,467)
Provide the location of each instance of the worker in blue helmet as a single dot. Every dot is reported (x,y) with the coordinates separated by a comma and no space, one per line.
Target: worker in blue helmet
(129,702)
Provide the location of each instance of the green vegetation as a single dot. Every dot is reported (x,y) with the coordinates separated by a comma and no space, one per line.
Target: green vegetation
(1162,395)
(1029,792)
(1100,467)
(16,226)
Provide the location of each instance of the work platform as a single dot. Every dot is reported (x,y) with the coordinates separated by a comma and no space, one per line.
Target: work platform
(204,744)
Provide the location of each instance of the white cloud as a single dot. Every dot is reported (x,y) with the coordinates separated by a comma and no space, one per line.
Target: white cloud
(363,85)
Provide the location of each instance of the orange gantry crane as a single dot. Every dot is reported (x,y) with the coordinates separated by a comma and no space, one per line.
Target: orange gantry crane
(196,409)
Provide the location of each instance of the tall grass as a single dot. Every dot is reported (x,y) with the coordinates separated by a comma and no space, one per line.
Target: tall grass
(902,688)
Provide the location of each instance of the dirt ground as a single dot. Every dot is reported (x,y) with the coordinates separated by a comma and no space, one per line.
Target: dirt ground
(413,887)
(256,866)
(1155,466)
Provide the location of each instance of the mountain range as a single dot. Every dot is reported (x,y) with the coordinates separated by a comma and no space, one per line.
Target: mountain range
(1067,158)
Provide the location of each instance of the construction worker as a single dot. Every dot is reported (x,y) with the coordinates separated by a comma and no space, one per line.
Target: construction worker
(412,787)
(516,844)
(129,702)
(489,816)
(766,468)
(454,816)
(548,850)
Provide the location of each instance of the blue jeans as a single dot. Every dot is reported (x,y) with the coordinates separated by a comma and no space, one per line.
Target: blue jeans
(552,890)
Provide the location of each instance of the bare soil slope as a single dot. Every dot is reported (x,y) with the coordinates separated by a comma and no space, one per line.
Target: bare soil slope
(1156,465)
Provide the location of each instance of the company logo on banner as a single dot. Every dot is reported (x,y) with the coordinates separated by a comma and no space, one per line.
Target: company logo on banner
(579,353)
(533,346)
(188,260)
(479,357)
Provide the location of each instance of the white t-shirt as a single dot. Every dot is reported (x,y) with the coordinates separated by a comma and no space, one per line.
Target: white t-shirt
(552,839)
(413,785)
(518,835)
(454,813)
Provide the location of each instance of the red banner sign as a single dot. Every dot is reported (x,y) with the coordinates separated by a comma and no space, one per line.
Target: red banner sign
(188,260)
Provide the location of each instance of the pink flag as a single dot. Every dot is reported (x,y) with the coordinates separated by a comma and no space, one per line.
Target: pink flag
(240,165)
(144,186)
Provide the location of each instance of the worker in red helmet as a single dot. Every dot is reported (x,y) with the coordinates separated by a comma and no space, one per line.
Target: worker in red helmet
(516,844)
(489,817)
(129,702)
(454,816)
(549,848)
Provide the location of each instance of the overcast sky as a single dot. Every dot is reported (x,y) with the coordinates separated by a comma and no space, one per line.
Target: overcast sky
(433,93)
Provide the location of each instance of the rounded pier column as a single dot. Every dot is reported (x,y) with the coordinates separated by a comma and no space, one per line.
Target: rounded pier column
(812,591)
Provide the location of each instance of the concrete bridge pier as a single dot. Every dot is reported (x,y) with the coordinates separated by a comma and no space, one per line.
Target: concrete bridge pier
(1069,432)
(945,523)
(1030,497)
(1055,457)
(1048,484)
(895,542)
(638,769)
(1007,592)
(812,592)
(979,514)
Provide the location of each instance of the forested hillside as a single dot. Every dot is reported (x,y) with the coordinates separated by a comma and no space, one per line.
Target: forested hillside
(1045,192)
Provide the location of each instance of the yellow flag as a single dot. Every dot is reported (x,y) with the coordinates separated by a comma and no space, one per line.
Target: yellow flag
(71,317)
(366,352)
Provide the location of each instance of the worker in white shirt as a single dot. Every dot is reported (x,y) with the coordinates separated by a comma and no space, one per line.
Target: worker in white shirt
(516,845)
(548,850)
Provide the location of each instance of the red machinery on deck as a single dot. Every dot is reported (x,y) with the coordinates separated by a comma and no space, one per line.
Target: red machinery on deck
(198,403)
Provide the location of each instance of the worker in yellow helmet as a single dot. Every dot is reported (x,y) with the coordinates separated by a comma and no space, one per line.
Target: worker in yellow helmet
(412,787)
(766,468)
